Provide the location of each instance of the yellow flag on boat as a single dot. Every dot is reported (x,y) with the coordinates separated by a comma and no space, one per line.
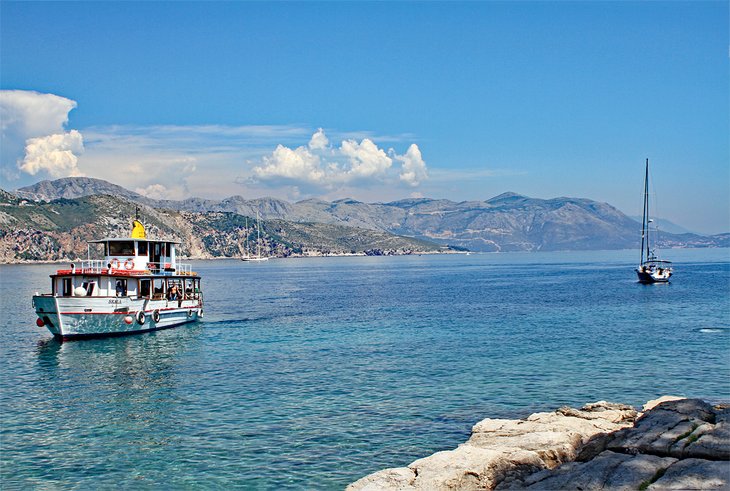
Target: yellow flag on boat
(138,230)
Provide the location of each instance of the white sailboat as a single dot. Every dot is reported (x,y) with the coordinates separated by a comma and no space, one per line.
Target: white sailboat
(651,269)
(258,257)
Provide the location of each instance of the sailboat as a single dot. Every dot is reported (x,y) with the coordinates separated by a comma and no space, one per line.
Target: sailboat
(258,256)
(651,269)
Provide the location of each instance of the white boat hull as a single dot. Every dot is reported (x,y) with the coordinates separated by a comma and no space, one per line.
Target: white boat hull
(77,317)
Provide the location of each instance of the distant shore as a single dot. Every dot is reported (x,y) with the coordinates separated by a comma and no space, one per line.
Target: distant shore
(292,256)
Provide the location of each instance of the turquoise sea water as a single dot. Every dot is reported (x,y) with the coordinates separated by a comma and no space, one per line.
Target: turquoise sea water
(308,374)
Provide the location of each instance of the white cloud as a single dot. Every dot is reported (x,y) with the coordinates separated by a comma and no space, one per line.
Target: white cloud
(366,159)
(299,164)
(34,139)
(195,160)
(413,171)
(319,166)
(154,191)
(33,114)
(319,141)
(55,154)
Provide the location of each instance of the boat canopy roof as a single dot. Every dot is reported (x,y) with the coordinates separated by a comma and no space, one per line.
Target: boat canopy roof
(127,239)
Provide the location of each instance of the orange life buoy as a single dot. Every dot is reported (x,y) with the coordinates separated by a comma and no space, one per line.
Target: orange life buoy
(128,264)
(114,264)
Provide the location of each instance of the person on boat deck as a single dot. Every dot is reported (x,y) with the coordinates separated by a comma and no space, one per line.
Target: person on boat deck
(173,293)
(121,290)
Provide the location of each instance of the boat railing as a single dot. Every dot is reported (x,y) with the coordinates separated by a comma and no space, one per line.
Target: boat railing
(170,268)
(100,266)
(89,266)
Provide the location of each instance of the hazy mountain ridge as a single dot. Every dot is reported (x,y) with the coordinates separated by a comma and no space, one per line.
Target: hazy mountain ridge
(508,222)
(60,229)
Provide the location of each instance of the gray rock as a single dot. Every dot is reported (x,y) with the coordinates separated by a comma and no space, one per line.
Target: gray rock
(609,470)
(694,474)
(707,442)
(663,430)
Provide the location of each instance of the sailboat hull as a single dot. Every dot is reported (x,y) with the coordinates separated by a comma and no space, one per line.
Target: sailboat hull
(653,277)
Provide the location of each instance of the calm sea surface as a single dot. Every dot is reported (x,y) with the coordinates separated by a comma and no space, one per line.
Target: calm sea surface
(312,373)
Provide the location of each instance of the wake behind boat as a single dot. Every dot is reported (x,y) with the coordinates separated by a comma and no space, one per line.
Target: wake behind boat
(138,286)
(651,269)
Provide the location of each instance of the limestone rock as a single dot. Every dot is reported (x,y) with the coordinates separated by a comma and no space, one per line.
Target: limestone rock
(694,474)
(505,451)
(667,428)
(399,478)
(655,402)
(676,444)
(609,470)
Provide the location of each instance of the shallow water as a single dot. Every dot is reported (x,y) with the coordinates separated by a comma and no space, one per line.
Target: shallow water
(312,373)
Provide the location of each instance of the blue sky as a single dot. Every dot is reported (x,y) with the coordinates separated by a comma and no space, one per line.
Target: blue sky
(376,101)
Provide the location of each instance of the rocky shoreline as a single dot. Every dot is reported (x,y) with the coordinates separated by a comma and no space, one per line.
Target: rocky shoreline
(674,443)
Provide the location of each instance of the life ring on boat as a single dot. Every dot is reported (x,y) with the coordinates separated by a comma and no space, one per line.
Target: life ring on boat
(141,317)
(114,264)
(200,313)
(190,313)
(156,316)
(128,264)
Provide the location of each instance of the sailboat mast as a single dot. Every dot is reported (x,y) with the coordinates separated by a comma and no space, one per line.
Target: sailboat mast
(646,208)
(644,238)
(258,235)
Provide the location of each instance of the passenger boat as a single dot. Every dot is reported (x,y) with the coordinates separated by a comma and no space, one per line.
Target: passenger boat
(651,269)
(139,286)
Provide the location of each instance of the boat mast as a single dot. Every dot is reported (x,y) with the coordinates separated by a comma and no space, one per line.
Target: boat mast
(645,216)
(258,235)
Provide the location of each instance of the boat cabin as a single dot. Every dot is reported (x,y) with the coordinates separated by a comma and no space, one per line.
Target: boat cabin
(133,267)
(139,254)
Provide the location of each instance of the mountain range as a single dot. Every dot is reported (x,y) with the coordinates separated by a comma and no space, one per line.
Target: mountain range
(508,222)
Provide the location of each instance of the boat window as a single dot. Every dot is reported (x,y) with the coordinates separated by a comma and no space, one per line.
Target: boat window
(144,288)
(67,287)
(121,288)
(158,289)
(121,248)
(141,248)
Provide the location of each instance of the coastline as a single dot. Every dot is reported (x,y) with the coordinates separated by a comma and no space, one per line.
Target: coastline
(292,256)
(673,443)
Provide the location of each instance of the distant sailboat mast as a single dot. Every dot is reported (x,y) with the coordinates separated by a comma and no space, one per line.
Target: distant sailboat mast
(245,240)
(645,217)
(258,235)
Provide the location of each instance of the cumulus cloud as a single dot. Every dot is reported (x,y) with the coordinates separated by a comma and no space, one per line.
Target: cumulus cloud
(319,140)
(322,166)
(154,191)
(55,154)
(299,164)
(365,158)
(33,114)
(413,170)
(34,139)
